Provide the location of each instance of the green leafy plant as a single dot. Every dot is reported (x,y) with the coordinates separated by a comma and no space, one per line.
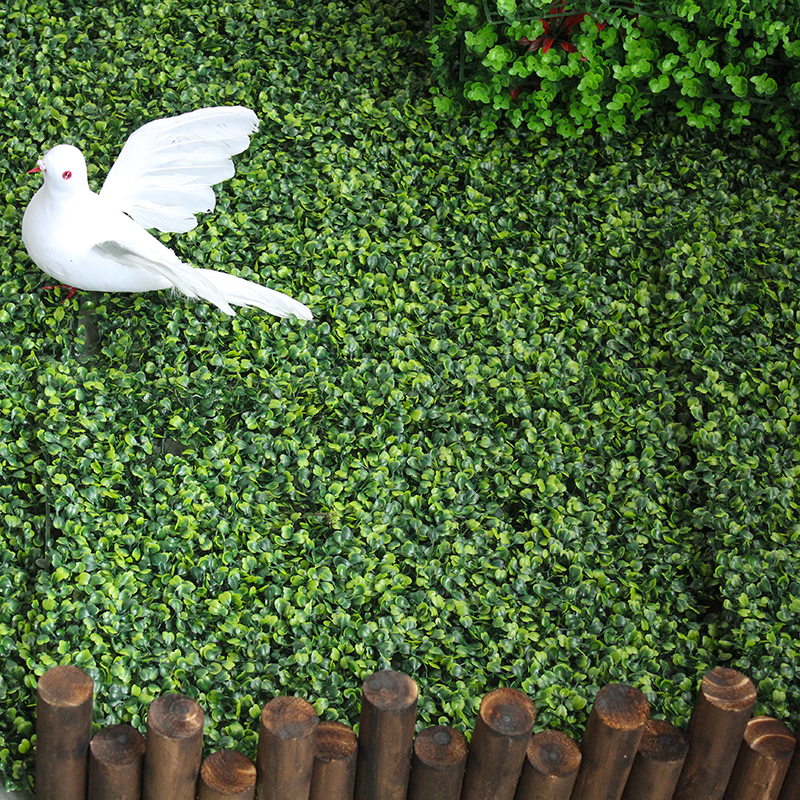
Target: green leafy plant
(623,64)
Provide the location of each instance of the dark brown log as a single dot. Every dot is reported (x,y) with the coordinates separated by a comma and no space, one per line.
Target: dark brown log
(719,719)
(174,748)
(550,768)
(64,697)
(791,783)
(498,746)
(116,757)
(385,736)
(658,762)
(335,755)
(285,758)
(763,760)
(610,741)
(437,764)
(227,775)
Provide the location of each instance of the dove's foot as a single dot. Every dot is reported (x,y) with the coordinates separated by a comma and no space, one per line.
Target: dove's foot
(70,291)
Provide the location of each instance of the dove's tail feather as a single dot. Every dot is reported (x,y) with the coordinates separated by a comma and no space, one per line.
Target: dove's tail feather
(164,268)
(240,292)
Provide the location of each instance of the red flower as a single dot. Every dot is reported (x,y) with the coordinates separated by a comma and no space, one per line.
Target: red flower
(557,30)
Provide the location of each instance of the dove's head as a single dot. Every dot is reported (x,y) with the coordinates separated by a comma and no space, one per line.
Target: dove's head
(63,168)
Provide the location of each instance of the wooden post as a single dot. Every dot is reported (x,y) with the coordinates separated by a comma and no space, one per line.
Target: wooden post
(64,697)
(550,768)
(285,758)
(227,775)
(658,763)
(791,783)
(335,754)
(437,764)
(716,729)
(116,756)
(763,760)
(385,736)
(612,736)
(499,742)
(174,748)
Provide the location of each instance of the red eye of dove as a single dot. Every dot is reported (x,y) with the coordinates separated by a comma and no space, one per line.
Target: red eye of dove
(66,175)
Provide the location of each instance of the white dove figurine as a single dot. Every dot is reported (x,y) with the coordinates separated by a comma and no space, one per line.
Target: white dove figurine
(162,178)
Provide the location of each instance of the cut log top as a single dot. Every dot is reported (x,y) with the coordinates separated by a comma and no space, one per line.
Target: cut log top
(508,712)
(728,690)
(553,753)
(65,686)
(289,717)
(770,738)
(390,691)
(175,716)
(621,707)
(663,742)
(118,745)
(228,772)
(440,747)
(335,741)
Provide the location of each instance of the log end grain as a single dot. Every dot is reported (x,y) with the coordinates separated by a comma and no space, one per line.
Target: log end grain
(118,745)
(289,718)
(335,742)
(621,707)
(728,690)
(388,690)
(228,772)
(663,743)
(508,712)
(440,747)
(175,716)
(770,738)
(65,686)
(553,754)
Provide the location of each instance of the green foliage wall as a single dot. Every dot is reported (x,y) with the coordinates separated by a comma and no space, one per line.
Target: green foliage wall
(542,432)
(550,66)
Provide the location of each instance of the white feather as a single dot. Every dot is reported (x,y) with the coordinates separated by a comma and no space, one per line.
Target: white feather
(163,175)
(183,277)
(241,292)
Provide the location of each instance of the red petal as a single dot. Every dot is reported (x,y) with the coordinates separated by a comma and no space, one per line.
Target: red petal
(548,43)
(535,44)
(569,47)
(572,21)
(515,93)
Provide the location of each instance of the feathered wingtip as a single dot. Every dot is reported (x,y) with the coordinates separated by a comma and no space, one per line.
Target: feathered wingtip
(227,128)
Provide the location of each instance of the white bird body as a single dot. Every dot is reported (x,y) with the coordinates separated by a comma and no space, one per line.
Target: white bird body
(161,179)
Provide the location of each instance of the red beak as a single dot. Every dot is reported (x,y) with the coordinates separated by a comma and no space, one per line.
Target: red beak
(35,169)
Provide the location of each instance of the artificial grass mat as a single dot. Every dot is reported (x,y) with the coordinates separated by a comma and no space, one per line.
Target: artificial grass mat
(542,433)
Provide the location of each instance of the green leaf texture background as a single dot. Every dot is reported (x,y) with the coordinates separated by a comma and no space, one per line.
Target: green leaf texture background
(543,431)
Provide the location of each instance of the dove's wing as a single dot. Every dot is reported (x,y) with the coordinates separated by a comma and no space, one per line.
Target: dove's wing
(164,174)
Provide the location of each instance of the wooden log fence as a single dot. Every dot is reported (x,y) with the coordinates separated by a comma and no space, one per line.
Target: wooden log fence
(116,756)
(726,753)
